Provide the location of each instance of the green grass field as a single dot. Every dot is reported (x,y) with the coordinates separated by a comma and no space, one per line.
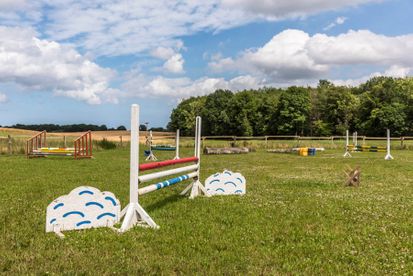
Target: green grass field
(297,217)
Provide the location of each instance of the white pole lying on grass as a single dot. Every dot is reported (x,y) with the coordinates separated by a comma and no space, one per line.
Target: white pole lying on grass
(388,155)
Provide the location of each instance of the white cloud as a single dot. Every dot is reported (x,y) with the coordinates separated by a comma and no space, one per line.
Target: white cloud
(163,53)
(290,8)
(339,21)
(393,71)
(49,66)
(12,4)
(175,64)
(295,55)
(3,98)
(140,85)
(122,27)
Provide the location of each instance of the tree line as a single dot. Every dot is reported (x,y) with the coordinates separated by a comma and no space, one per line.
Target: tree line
(328,109)
(65,128)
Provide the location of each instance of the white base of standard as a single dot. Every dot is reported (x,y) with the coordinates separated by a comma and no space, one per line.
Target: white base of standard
(195,189)
(151,157)
(347,154)
(136,215)
(388,157)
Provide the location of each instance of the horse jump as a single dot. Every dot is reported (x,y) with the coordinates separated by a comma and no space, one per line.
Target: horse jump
(149,141)
(133,213)
(357,148)
(36,146)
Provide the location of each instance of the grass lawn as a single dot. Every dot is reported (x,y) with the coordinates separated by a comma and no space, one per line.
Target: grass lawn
(297,217)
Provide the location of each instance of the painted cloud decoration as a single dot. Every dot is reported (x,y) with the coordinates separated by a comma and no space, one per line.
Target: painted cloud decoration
(84,207)
(226,183)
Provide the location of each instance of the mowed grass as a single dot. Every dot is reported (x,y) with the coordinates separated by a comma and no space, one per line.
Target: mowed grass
(297,217)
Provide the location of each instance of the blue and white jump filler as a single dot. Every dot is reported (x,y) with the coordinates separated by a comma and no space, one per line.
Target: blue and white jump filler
(226,183)
(84,207)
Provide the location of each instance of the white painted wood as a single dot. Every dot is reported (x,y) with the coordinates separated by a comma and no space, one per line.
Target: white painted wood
(84,207)
(177,145)
(347,153)
(226,183)
(134,214)
(134,155)
(152,176)
(388,154)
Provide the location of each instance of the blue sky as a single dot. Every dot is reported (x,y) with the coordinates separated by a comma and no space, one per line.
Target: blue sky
(72,61)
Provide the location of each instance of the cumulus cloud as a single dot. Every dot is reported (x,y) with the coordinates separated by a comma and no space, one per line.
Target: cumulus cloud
(163,52)
(175,64)
(295,55)
(84,207)
(139,26)
(291,8)
(141,85)
(44,65)
(174,61)
(339,21)
(3,98)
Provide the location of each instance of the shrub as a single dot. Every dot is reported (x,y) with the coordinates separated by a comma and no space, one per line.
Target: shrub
(105,144)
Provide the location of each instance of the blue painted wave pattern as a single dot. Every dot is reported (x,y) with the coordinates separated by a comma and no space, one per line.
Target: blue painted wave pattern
(84,207)
(225,183)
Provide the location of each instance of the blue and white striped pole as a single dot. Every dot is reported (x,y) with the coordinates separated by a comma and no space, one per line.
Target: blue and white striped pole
(166,183)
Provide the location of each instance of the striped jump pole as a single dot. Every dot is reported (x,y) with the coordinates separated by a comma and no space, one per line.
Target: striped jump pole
(388,155)
(166,183)
(133,213)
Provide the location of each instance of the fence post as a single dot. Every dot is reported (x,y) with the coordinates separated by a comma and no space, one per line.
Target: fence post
(64,141)
(401,142)
(121,141)
(266,142)
(9,145)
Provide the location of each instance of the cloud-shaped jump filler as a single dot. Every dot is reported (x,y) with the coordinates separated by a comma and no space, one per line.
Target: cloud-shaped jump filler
(84,207)
(226,183)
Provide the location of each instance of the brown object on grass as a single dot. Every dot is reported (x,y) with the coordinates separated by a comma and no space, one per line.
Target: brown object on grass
(353,176)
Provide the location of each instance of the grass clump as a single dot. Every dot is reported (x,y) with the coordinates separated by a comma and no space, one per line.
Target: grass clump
(106,144)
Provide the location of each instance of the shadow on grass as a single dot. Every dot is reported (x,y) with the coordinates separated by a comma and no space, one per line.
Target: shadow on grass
(163,202)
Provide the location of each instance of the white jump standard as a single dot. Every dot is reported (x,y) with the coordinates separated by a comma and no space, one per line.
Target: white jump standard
(364,148)
(149,142)
(134,213)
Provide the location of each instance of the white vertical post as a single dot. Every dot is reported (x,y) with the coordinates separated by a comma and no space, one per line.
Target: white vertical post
(151,156)
(177,145)
(355,139)
(196,186)
(388,155)
(134,155)
(347,153)
(134,213)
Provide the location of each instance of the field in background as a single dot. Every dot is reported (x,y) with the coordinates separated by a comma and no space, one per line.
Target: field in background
(296,218)
(122,138)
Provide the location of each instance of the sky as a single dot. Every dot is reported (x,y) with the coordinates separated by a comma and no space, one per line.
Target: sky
(73,61)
